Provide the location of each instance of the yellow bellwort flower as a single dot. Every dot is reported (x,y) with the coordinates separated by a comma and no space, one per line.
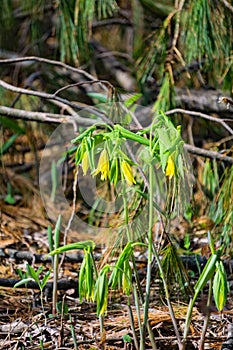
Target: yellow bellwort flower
(127,172)
(103,166)
(85,163)
(170,168)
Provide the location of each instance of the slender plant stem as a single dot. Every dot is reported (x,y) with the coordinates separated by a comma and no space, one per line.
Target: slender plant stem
(171,311)
(42,305)
(207,317)
(136,300)
(55,264)
(149,263)
(188,320)
(149,329)
(126,214)
(101,322)
(137,280)
(55,280)
(150,332)
(73,334)
(131,319)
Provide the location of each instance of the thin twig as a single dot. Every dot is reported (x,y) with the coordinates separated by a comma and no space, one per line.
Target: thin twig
(201,115)
(102,82)
(177,24)
(208,154)
(229,6)
(71,216)
(47,96)
(112,21)
(43,116)
(48,61)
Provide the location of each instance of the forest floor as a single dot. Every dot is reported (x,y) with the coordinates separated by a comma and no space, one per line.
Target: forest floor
(27,324)
(24,324)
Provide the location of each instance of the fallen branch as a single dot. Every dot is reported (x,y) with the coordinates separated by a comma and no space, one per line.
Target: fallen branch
(48,96)
(44,117)
(201,115)
(201,99)
(61,118)
(208,154)
(30,59)
(229,6)
(62,284)
(40,258)
(190,262)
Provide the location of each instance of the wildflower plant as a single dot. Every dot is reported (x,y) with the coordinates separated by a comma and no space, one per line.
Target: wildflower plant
(102,149)
(112,161)
(138,168)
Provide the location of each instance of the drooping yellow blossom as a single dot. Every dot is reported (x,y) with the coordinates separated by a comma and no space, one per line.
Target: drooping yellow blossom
(85,163)
(103,166)
(170,169)
(127,172)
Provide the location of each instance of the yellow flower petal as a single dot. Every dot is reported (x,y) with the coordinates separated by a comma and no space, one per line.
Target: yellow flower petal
(170,169)
(103,166)
(127,172)
(85,163)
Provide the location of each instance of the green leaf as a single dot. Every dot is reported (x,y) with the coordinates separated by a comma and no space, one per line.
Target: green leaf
(220,286)
(8,143)
(114,171)
(21,274)
(82,281)
(32,273)
(101,291)
(62,308)
(9,199)
(45,279)
(11,124)
(84,134)
(207,273)
(50,238)
(132,99)
(180,165)
(89,275)
(116,276)
(79,154)
(73,246)
(24,281)
(127,278)
(86,277)
(57,232)
(187,241)
(101,98)
(54,177)
(211,243)
(126,338)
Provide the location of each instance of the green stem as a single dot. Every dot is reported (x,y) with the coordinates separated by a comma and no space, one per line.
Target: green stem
(55,264)
(188,317)
(131,319)
(132,136)
(207,317)
(171,311)
(42,305)
(73,334)
(101,321)
(149,263)
(55,280)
